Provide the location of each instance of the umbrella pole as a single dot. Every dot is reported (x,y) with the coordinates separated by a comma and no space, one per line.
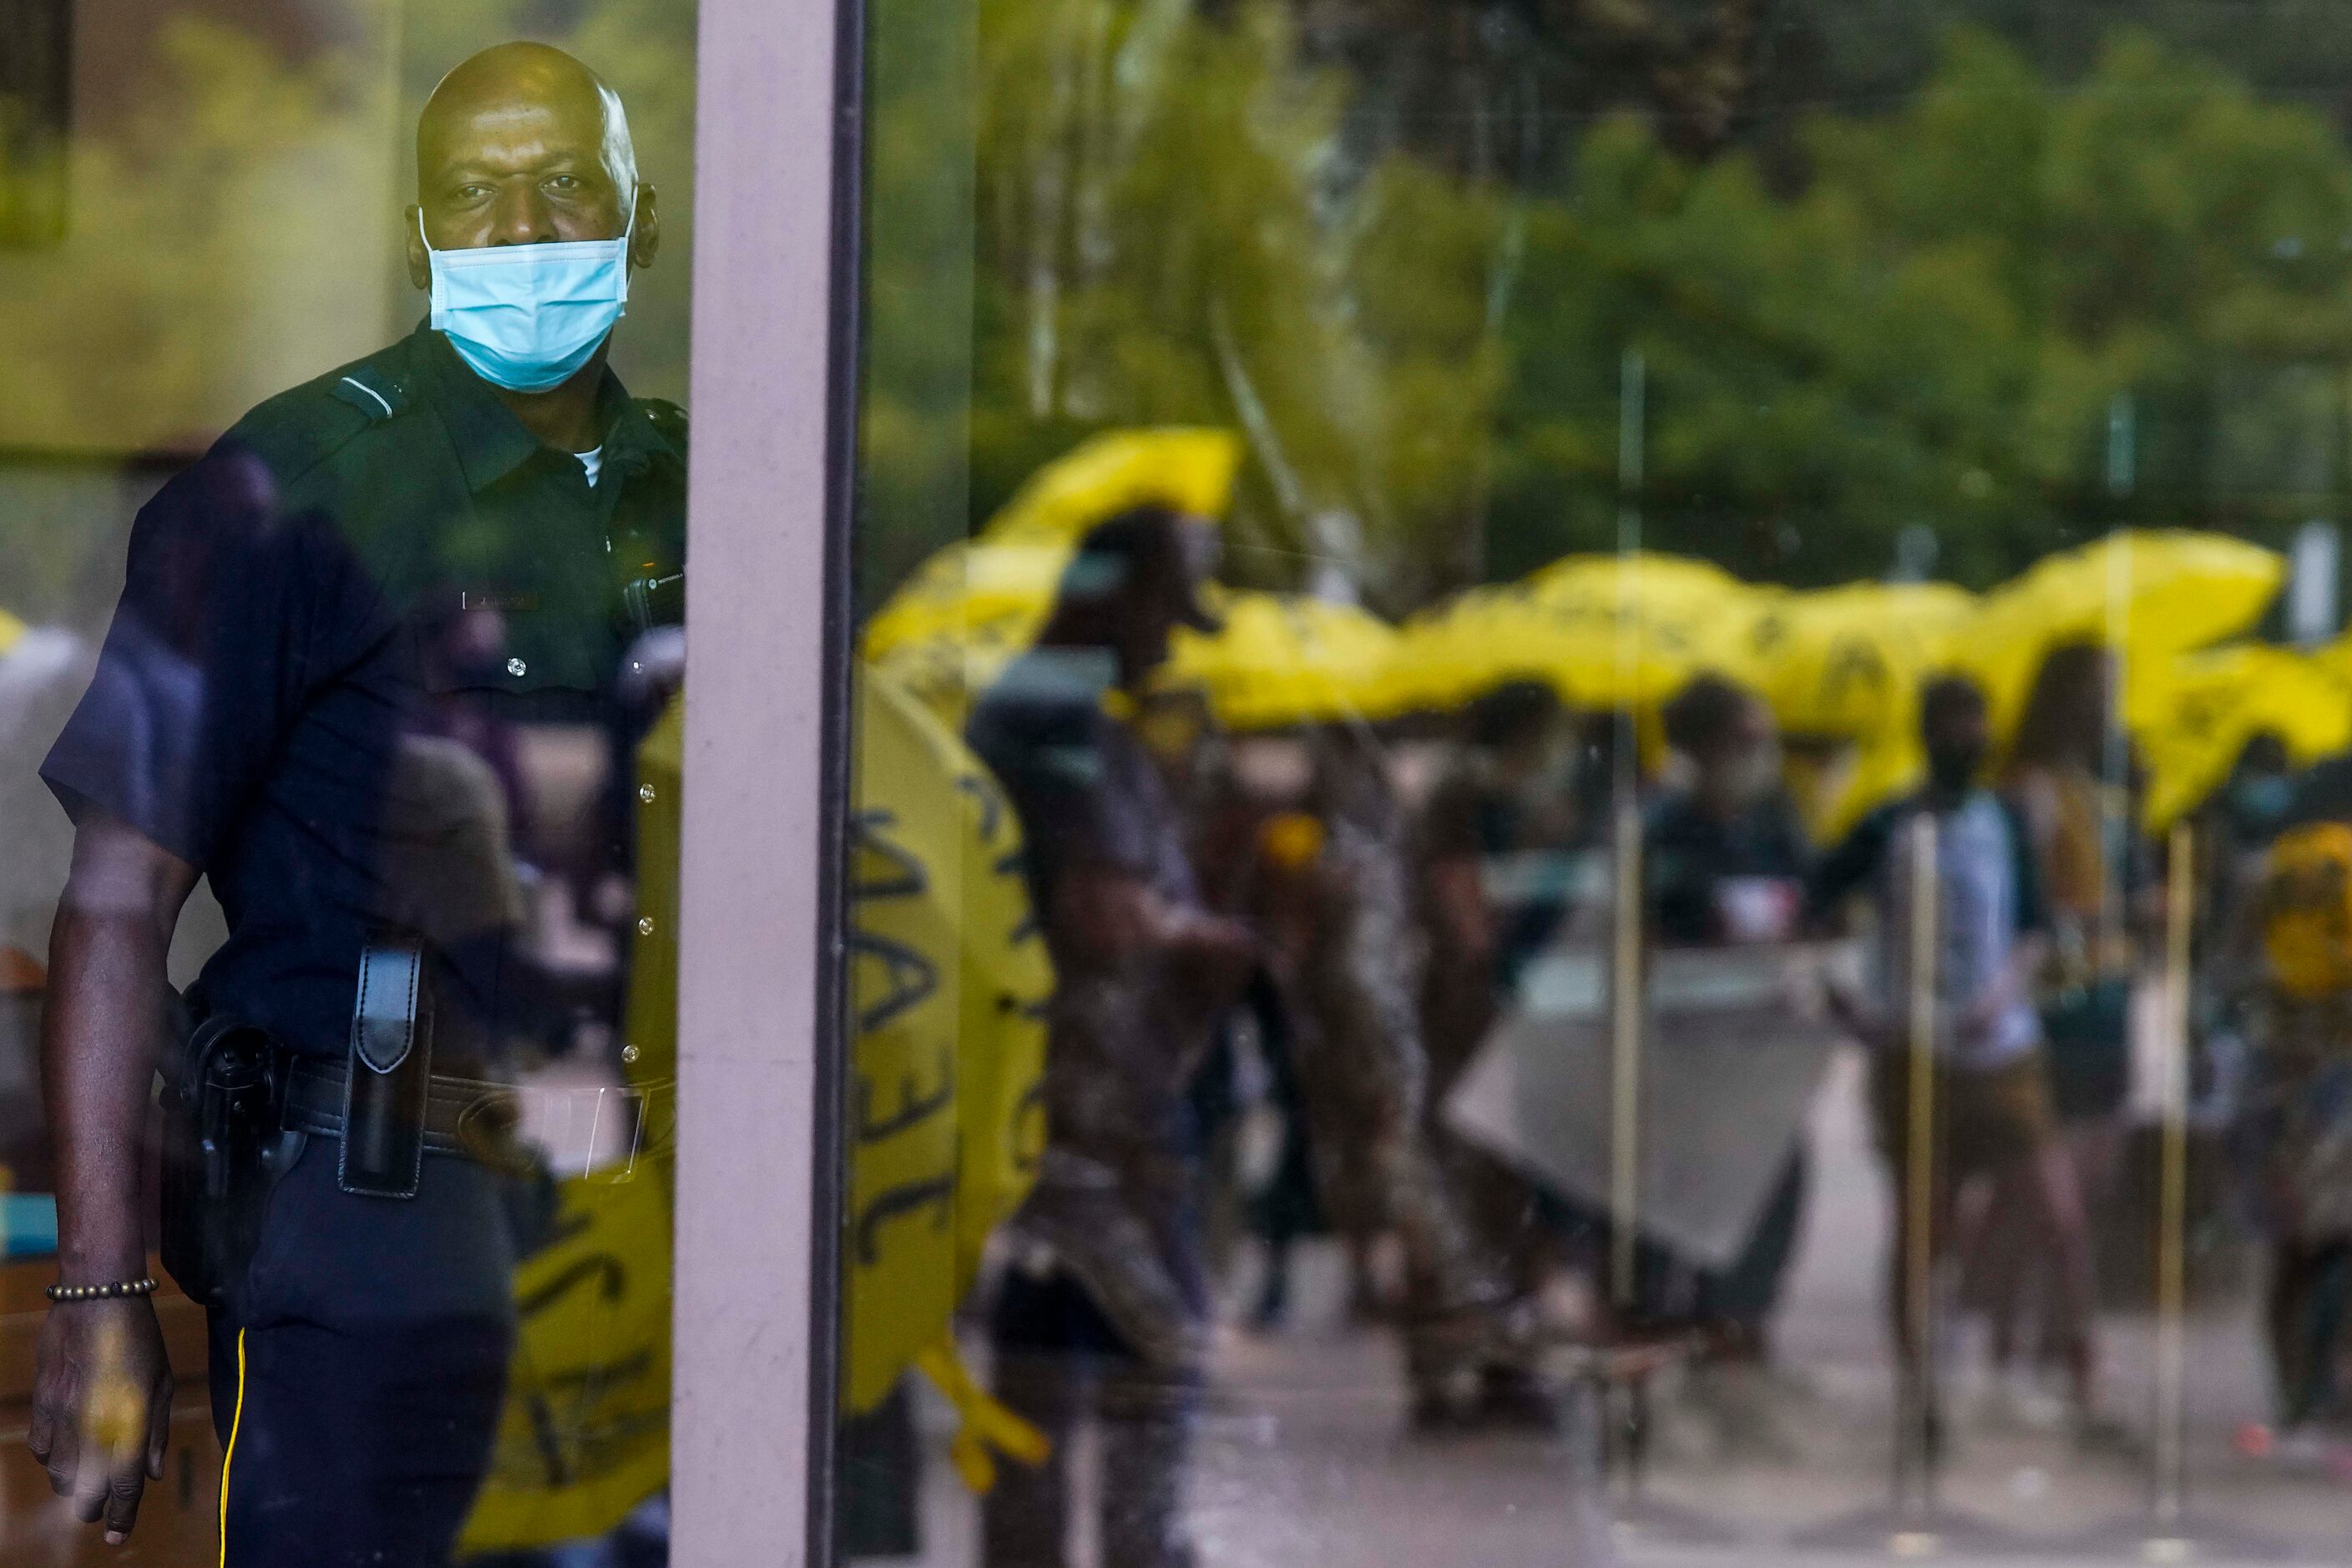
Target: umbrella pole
(1625,1057)
(2168,1531)
(1914,1463)
(2171,1241)
(1625,966)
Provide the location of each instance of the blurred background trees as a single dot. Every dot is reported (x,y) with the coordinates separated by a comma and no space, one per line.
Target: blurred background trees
(2001,286)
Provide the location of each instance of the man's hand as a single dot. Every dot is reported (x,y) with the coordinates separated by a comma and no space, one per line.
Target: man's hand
(1219,940)
(1858,1018)
(1984,1011)
(102,1407)
(2007,984)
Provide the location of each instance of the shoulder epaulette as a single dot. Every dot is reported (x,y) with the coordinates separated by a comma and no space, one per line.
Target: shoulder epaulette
(373,390)
(297,430)
(667,418)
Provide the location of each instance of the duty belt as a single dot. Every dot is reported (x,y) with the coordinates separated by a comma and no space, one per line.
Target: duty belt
(462,1115)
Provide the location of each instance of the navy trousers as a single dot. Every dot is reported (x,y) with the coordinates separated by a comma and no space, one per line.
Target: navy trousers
(358,1376)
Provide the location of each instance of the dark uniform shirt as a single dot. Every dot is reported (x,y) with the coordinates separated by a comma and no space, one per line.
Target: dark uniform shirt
(1472,816)
(363,572)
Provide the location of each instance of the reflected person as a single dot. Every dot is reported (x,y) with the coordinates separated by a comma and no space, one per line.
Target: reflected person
(1493,886)
(1990,1082)
(1364,1071)
(1106,1309)
(263,716)
(1725,860)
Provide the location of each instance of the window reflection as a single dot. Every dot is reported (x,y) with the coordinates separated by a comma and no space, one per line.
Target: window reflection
(1738,949)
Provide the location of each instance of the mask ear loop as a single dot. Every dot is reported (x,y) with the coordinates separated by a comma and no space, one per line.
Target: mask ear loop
(431,272)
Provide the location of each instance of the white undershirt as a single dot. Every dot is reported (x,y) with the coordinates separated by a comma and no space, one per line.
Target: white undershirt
(591,461)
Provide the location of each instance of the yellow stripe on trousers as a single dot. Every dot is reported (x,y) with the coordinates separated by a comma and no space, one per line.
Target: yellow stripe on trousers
(229,1454)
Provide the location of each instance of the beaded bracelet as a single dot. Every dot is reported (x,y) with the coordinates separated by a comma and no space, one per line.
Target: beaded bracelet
(109,1293)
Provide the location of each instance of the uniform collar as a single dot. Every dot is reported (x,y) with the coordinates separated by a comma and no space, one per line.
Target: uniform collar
(491,442)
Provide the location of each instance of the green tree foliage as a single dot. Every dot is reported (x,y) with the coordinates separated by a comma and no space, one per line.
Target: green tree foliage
(1936,327)
(1166,235)
(196,228)
(1934,324)
(915,424)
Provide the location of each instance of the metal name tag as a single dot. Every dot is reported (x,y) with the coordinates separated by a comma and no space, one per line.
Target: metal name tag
(512,602)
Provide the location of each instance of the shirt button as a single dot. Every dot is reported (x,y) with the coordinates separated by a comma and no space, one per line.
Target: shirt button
(644,925)
(629,1054)
(518,669)
(646,794)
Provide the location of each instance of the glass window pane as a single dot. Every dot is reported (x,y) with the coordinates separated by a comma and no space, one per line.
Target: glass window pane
(1671,683)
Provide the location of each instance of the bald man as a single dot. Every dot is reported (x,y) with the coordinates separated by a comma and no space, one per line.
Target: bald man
(336,630)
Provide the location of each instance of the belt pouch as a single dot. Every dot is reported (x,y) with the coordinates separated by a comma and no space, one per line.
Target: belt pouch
(386,1089)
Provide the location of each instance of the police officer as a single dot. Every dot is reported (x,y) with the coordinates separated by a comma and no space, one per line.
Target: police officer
(328,623)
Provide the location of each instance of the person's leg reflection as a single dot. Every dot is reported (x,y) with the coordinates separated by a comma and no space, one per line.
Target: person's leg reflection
(2073,1307)
(1046,1334)
(1025,1523)
(1146,1436)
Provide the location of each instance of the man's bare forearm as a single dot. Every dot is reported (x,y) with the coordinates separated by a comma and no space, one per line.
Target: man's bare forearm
(1105,919)
(104,1021)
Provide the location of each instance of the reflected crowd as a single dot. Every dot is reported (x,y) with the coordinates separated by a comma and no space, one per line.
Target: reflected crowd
(1506,961)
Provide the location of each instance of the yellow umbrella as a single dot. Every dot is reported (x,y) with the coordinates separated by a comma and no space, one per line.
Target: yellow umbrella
(947,672)
(2192,714)
(584,1435)
(1004,588)
(1190,469)
(1646,578)
(1846,664)
(1605,630)
(2336,656)
(968,609)
(1283,659)
(2142,593)
(949,979)
(962,616)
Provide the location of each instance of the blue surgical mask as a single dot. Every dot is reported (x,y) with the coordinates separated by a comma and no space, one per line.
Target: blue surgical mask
(526,317)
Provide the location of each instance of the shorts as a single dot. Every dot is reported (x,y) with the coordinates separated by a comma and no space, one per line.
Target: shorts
(1986,1119)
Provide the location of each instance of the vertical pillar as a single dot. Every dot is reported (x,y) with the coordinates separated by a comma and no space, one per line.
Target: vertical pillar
(773,347)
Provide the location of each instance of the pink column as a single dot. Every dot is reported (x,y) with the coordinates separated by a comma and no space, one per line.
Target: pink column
(753,1085)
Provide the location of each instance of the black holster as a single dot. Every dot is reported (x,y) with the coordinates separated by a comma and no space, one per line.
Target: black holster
(224,1147)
